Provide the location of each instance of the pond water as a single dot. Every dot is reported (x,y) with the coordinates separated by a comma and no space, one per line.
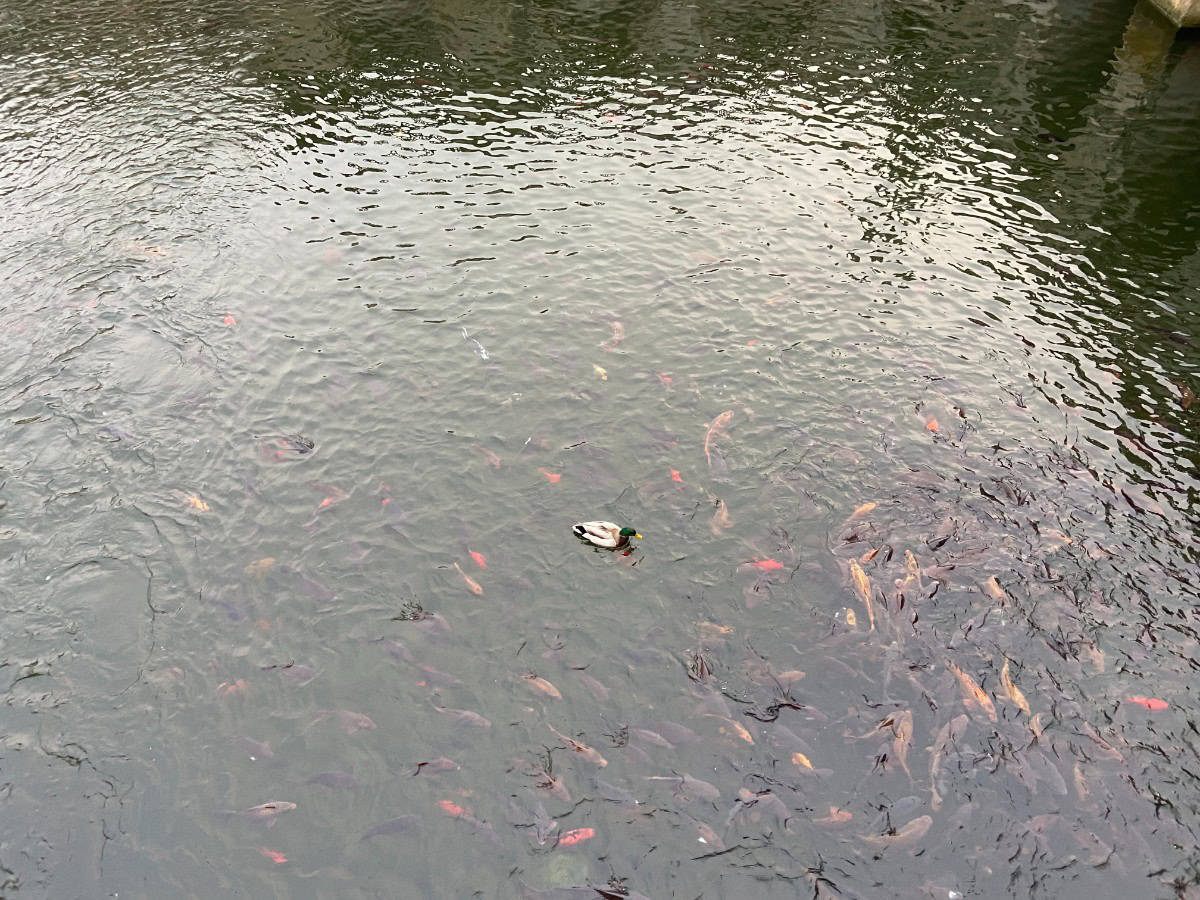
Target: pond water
(324,321)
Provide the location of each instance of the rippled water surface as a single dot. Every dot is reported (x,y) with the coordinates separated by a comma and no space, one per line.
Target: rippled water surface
(322,322)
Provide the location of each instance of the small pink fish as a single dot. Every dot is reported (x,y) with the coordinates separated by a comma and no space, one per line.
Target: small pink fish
(229,320)
(1151,703)
(552,477)
(767,565)
(480,559)
(273,855)
(675,476)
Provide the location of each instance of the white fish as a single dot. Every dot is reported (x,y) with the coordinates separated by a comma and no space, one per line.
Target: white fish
(479,349)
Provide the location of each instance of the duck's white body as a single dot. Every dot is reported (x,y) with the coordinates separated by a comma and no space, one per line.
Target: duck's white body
(601,534)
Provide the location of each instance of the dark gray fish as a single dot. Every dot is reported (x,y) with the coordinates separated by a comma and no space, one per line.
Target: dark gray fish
(340,780)
(689,788)
(235,613)
(398,825)
(614,794)
(672,731)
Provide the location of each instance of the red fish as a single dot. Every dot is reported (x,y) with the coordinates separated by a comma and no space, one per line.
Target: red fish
(675,476)
(273,855)
(480,559)
(576,836)
(767,565)
(231,321)
(552,477)
(1151,703)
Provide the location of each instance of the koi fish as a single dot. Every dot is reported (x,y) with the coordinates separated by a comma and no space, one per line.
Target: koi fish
(491,458)
(231,321)
(196,503)
(472,585)
(949,734)
(799,759)
(676,477)
(339,780)
(720,519)
(909,834)
(475,345)
(259,566)
(391,826)
(465,716)
(552,477)
(715,427)
(902,728)
(995,591)
(932,425)
(1151,703)
(974,697)
(766,565)
(273,855)
(434,766)
(268,812)
(862,510)
(480,559)
(588,753)
(736,727)
(352,722)
(542,685)
(862,585)
(233,688)
(575,836)
(836,816)
(618,335)
(1012,691)
(601,372)
(453,809)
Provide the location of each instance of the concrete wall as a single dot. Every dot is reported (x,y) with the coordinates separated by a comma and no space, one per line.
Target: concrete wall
(1185,13)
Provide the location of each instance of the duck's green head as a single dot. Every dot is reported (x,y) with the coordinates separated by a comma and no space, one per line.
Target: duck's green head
(629,532)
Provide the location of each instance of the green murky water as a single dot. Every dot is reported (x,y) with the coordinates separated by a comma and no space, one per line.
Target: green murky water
(323,322)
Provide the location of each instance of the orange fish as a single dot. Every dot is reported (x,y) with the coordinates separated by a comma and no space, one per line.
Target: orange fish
(715,427)
(576,836)
(472,585)
(932,425)
(273,855)
(1151,703)
(836,817)
(588,753)
(552,477)
(480,559)
(738,728)
(675,476)
(767,565)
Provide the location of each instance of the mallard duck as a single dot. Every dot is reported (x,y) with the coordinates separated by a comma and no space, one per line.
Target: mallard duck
(608,535)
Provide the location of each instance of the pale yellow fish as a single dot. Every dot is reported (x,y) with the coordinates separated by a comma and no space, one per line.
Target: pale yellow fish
(713,628)
(601,372)
(860,511)
(720,519)
(836,817)
(974,697)
(542,685)
(1012,691)
(902,728)
(862,584)
(472,585)
(196,503)
(259,566)
(851,619)
(715,427)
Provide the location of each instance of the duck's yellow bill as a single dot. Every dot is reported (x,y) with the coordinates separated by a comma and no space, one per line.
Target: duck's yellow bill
(636,535)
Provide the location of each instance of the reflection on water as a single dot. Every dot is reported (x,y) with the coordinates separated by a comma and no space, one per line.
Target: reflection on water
(325,321)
